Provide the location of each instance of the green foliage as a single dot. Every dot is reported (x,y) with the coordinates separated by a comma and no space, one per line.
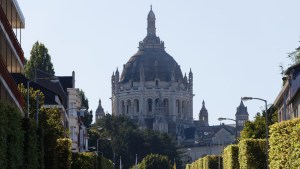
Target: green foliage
(50,128)
(105,163)
(64,154)
(87,160)
(212,162)
(84,160)
(295,56)
(155,161)
(88,116)
(40,59)
(285,144)
(231,157)
(252,153)
(198,164)
(31,153)
(11,137)
(257,128)
(127,140)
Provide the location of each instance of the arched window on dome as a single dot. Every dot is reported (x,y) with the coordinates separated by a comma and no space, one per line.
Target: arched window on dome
(156,83)
(128,107)
(149,106)
(136,106)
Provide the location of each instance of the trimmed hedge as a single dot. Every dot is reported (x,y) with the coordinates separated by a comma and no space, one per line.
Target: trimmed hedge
(198,164)
(155,161)
(252,153)
(11,137)
(285,144)
(87,160)
(212,162)
(231,157)
(64,154)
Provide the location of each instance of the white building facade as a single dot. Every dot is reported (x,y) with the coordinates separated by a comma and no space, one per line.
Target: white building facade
(152,89)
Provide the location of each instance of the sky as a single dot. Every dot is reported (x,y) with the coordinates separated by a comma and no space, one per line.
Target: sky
(233,47)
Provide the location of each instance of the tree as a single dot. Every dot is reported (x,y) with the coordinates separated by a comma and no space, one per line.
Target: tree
(155,161)
(50,128)
(295,56)
(127,140)
(40,59)
(257,128)
(88,116)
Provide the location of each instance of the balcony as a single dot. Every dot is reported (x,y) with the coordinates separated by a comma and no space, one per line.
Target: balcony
(11,35)
(11,83)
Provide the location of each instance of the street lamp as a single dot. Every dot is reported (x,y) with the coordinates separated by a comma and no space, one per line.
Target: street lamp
(267,127)
(52,80)
(222,118)
(108,139)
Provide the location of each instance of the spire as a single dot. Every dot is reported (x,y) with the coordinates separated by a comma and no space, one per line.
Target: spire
(151,40)
(203,103)
(151,30)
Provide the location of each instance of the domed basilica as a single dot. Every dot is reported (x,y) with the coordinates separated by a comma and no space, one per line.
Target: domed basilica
(152,89)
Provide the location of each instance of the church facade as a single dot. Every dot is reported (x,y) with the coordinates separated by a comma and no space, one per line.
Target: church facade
(151,89)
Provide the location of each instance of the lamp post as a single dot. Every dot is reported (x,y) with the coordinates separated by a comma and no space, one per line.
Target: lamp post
(267,127)
(108,139)
(52,80)
(222,118)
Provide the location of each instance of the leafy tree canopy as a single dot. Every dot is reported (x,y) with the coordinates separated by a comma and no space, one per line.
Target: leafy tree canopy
(127,140)
(257,128)
(295,56)
(88,115)
(40,59)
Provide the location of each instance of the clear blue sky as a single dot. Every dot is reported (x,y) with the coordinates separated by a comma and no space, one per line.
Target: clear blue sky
(233,47)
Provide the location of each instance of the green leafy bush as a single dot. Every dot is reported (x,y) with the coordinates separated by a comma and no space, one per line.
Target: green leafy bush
(285,144)
(87,160)
(11,137)
(231,157)
(212,162)
(30,144)
(64,154)
(155,161)
(84,160)
(252,153)
(198,164)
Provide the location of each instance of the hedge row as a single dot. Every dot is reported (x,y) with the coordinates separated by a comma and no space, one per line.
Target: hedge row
(231,157)
(87,160)
(198,164)
(11,138)
(248,154)
(207,162)
(64,154)
(252,153)
(285,144)
(212,162)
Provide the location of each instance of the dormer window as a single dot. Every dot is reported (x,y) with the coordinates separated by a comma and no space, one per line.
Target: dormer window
(156,83)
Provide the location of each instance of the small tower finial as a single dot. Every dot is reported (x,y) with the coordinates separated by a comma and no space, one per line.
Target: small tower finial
(151,7)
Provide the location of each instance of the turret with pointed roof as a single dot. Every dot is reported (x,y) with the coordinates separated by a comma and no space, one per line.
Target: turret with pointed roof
(203,115)
(100,111)
(241,116)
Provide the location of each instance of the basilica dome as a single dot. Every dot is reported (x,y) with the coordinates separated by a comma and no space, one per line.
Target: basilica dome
(156,64)
(151,59)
